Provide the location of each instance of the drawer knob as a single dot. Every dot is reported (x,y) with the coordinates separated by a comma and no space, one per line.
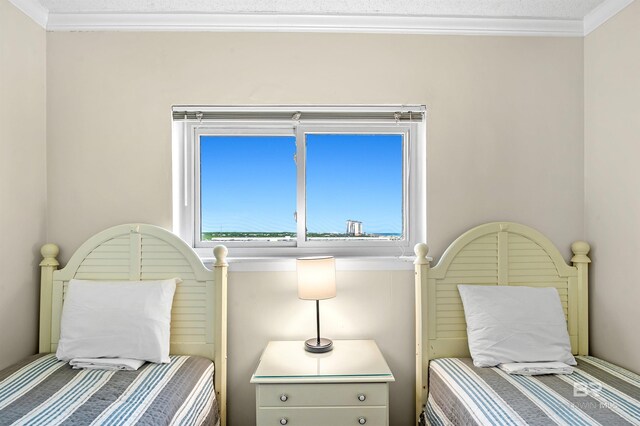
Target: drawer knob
(284,421)
(362,397)
(284,398)
(362,420)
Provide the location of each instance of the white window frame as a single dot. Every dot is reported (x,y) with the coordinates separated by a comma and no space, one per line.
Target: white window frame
(185,156)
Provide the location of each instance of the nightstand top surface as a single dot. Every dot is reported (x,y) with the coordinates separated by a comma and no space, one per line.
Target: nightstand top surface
(350,360)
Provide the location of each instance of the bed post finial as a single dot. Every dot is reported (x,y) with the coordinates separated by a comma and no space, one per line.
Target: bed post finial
(581,263)
(580,250)
(220,252)
(421,250)
(49,253)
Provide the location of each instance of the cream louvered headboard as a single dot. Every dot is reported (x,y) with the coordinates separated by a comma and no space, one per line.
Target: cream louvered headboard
(135,252)
(499,253)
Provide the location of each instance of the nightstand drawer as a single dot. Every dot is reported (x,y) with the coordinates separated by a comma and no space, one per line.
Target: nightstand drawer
(320,395)
(329,416)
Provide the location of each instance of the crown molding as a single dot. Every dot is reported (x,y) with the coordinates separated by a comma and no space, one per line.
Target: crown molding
(319,23)
(34,10)
(313,23)
(603,13)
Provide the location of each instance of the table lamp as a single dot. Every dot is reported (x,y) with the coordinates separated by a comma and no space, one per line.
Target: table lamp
(317,281)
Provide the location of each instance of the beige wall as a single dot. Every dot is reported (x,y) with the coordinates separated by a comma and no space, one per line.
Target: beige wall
(22,179)
(505,142)
(505,122)
(612,183)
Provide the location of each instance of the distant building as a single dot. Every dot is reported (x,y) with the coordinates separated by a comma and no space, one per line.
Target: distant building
(354,228)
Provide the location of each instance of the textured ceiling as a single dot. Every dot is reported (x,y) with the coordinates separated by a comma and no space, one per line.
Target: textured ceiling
(540,9)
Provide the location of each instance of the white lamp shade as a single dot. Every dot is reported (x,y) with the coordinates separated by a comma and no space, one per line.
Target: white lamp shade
(316,278)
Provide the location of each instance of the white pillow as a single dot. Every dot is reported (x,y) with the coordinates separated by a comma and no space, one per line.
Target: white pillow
(515,324)
(124,319)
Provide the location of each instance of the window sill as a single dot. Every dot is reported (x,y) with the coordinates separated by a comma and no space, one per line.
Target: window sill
(345,263)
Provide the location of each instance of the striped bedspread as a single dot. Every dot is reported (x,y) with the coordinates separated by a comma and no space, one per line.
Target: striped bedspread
(44,391)
(597,393)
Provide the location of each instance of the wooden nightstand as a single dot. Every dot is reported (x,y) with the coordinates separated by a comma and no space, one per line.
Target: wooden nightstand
(344,387)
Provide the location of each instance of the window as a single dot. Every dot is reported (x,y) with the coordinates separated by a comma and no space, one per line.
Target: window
(247,187)
(300,181)
(353,186)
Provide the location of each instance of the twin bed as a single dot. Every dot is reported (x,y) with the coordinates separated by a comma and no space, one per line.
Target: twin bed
(189,390)
(451,390)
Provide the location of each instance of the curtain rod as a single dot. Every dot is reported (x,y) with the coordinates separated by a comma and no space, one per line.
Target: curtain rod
(294,115)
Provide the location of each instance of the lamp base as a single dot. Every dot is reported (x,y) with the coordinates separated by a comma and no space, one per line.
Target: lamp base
(312,345)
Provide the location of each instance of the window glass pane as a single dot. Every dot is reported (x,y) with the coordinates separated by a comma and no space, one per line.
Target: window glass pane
(247,187)
(354,186)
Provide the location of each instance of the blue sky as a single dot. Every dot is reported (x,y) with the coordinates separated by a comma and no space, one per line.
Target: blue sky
(248,183)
